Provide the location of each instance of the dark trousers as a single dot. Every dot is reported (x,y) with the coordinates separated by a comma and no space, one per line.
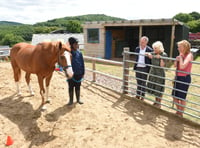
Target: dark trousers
(75,83)
(141,80)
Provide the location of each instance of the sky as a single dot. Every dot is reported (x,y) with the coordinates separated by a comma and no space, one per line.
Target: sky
(33,11)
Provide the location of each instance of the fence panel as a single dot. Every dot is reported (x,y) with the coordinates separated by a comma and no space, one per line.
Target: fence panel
(192,107)
(129,83)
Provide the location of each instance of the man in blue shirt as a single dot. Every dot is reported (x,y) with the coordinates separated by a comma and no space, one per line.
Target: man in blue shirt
(78,69)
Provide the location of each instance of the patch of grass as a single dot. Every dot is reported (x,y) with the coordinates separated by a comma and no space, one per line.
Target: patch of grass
(106,68)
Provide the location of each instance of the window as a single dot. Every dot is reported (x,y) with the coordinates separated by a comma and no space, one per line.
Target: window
(93,35)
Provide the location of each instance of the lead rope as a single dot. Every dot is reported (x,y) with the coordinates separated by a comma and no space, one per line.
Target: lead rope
(77,81)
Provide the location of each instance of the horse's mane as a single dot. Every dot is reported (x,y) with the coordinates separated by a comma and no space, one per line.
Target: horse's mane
(45,45)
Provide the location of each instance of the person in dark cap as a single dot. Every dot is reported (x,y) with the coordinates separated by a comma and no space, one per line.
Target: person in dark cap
(78,69)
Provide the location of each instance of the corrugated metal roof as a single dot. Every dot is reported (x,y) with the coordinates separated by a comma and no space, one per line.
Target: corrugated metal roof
(38,38)
(138,22)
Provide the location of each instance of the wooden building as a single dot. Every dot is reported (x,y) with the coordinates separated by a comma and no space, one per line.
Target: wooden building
(106,39)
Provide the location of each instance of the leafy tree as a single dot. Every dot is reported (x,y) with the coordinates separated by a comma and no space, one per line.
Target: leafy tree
(25,31)
(183,17)
(61,22)
(74,26)
(192,20)
(44,29)
(195,15)
(1,36)
(11,39)
(194,26)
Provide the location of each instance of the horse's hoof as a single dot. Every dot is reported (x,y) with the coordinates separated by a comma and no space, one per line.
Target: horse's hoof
(43,108)
(19,94)
(48,100)
(32,94)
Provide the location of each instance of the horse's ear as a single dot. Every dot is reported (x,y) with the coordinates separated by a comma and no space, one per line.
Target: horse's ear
(68,47)
(60,45)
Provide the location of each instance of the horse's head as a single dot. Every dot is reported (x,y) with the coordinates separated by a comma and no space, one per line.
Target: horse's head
(64,59)
(62,47)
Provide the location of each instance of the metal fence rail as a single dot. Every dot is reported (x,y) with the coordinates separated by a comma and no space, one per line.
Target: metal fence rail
(192,108)
(129,84)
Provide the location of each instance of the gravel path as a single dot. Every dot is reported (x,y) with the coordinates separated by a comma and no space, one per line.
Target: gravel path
(105,81)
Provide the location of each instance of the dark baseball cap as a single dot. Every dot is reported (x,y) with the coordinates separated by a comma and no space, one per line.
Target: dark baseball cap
(72,40)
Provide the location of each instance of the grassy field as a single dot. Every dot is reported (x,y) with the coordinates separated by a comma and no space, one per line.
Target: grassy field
(167,100)
(106,68)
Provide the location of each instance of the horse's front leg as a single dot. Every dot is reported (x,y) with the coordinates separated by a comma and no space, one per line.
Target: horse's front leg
(48,79)
(17,75)
(42,91)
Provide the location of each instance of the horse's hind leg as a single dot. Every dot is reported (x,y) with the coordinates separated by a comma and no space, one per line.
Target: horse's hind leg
(42,91)
(17,75)
(27,77)
(48,79)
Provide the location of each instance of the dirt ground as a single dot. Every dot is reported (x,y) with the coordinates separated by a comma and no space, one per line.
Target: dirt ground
(106,120)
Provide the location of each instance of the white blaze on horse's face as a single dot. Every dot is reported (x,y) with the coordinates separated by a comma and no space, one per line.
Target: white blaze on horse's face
(69,71)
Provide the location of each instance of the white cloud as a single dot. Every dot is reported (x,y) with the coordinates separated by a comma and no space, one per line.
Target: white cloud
(30,12)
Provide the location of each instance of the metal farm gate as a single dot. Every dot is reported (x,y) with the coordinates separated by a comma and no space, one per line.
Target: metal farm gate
(129,84)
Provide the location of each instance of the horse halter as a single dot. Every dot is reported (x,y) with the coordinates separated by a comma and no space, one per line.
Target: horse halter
(59,61)
(66,67)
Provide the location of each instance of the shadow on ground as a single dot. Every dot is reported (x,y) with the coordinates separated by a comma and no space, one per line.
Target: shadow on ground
(25,117)
(143,113)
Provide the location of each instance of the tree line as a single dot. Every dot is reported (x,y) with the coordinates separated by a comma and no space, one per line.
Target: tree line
(191,19)
(12,32)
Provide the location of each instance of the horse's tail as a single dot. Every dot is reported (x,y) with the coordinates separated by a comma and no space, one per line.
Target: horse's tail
(15,67)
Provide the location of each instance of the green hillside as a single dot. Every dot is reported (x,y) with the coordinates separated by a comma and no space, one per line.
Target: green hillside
(13,32)
(94,17)
(82,18)
(10,23)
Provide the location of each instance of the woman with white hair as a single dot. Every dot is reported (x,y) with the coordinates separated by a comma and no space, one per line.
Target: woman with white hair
(156,81)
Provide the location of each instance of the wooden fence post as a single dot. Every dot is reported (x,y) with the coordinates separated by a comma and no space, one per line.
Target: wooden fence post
(172,41)
(125,70)
(93,69)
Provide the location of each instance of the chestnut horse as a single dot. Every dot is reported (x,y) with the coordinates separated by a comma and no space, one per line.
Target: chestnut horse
(40,60)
